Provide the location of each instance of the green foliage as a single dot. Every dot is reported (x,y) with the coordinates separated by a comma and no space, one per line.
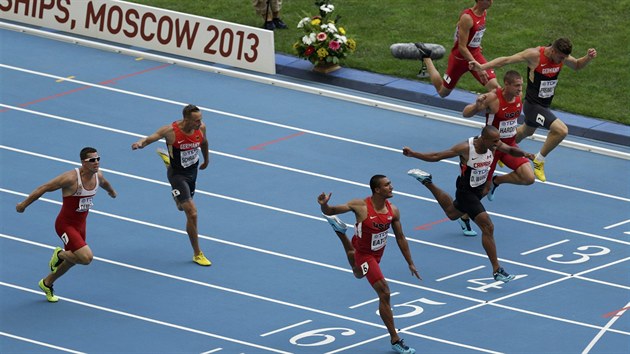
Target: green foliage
(602,89)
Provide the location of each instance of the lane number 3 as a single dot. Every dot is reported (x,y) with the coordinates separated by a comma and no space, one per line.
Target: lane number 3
(583,256)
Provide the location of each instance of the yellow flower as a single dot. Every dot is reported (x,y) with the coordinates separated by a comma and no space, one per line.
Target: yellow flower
(342,31)
(322,53)
(316,22)
(352,45)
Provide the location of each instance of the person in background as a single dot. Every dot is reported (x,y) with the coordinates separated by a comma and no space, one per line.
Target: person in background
(468,34)
(269,10)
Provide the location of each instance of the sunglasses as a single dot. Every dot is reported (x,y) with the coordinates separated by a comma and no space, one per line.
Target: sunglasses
(93,159)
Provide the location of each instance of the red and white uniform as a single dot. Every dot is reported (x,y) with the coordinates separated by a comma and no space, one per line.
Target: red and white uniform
(457,64)
(185,149)
(506,121)
(370,239)
(474,35)
(70,223)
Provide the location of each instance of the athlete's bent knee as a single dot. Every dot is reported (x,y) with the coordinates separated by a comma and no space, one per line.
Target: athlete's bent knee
(562,130)
(527,180)
(85,259)
(487,227)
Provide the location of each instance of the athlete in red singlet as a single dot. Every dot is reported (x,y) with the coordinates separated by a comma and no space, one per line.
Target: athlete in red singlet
(502,108)
(374,216)
(467,46)
(370,240)
(184,152)
(184,139)
(78,188)
(543,68)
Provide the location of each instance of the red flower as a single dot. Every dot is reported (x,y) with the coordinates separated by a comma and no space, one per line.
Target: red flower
(310,50)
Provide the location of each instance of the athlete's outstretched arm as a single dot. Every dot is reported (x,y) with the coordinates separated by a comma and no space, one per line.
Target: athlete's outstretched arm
(61,181)
(401,240)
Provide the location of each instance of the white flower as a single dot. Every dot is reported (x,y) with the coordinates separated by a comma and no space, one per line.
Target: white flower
(307,40)
(331,28)
(303,21)
(327,8)
(340,38)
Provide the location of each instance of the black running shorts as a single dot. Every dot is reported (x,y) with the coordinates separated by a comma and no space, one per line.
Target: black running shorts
(537,116)
(183,183)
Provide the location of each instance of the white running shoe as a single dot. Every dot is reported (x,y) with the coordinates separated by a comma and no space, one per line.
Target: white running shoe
(423,177)
(337,225)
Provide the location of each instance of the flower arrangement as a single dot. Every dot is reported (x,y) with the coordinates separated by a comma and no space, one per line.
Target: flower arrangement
(324,41)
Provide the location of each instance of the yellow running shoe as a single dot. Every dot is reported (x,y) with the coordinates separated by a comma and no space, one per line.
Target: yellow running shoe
(202,260)
(48,290)
(54,260)
(539,170)
(164,156)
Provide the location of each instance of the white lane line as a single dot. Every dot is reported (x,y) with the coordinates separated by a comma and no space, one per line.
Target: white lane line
(293,86)
(617,224)
(370,301)
(305,215)
(238,292)
(148,319)
(32,341)
(544,247)
(460,273)
(286,328)
(213,351)
(312,132)
(209,285)
(605,329)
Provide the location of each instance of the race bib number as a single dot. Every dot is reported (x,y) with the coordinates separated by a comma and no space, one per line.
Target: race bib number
(479,176)
(475,41)
(547,88)
(365,268)
(189,157)
(379,240)
(507,128)
(85,204)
